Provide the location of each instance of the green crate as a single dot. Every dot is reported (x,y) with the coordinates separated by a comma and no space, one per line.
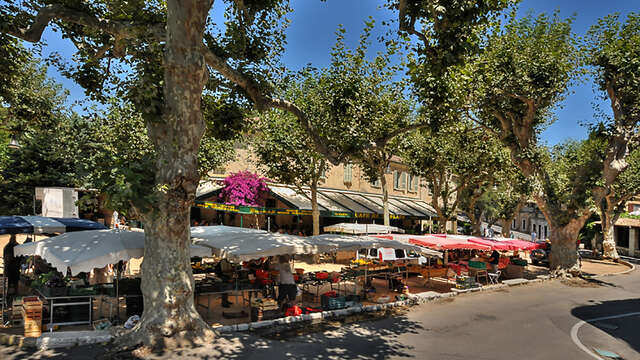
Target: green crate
(477,264)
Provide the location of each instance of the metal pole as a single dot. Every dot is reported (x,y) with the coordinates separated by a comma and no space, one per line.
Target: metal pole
(268,224)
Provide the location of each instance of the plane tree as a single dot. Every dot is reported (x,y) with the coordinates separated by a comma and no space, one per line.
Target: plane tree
(611,51)
(163,57)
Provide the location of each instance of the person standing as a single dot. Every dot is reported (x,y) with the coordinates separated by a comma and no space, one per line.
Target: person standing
(287,289)
(11,265)
(533,236)
(494,260)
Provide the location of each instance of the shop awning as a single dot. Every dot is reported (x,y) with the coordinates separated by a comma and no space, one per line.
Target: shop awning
(348,202)
(85,250)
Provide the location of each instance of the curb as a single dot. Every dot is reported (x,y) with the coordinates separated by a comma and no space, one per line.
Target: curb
(631,266)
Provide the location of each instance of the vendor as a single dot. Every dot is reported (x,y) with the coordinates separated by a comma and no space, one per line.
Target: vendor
(287,289)
(11,265)
(224,270)
(494,260)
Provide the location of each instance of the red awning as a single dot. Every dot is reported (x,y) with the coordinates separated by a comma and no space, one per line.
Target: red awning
(495,245)
(522,244)
(446,243)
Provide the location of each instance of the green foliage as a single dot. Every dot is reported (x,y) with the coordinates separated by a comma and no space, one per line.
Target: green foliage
(31,112)
(285,152)
(522,74)
(121,160)
(569,171)
(456,161)
(612,50)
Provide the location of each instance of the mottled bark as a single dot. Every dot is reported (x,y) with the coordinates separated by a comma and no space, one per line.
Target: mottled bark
(170,318)
(608,239)
(564,242)
(315,212)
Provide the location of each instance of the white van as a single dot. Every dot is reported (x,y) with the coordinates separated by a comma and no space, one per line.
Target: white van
(390,254)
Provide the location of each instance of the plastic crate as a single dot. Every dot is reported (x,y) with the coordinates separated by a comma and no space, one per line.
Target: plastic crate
(477,264)
(336,303)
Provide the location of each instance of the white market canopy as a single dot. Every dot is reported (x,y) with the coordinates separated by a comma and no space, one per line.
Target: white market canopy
(83,251)
(246,244)
(349,228)
(334,242)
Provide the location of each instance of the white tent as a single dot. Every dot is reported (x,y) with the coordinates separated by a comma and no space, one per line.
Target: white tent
(83,251)
(348,242)
(349,228)
(246,244)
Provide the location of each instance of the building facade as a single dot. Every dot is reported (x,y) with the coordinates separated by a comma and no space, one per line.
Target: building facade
(344,195)
(529,220)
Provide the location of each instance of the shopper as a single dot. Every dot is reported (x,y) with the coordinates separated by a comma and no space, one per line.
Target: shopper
(287,289)
(11,265)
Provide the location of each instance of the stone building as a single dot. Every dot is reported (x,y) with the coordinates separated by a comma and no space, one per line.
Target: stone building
(530,219)
(344,195)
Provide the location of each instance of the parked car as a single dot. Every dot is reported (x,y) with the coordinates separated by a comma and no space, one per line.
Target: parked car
(543,255)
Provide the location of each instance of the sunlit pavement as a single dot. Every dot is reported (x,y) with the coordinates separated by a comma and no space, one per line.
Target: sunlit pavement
(526,322)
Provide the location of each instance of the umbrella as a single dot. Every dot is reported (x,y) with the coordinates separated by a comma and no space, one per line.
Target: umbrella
(349,228)
(74,224)
(86,250)
(246,244)
(521,244)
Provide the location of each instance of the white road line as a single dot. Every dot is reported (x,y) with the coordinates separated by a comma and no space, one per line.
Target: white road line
(576,327)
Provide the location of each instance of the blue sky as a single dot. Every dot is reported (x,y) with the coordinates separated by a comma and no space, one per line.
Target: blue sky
(312,34)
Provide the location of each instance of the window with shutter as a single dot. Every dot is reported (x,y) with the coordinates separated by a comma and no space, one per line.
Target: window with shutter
(414,182)
(403,181)
(396,179)
(348,172)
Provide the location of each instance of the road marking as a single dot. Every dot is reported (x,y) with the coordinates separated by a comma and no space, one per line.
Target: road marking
(576,327)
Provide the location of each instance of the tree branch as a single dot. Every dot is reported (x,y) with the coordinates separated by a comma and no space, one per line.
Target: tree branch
(263,101)
(46,14)
(407,22)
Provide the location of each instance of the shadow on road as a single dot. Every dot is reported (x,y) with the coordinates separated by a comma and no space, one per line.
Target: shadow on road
(361,340)
(628,334)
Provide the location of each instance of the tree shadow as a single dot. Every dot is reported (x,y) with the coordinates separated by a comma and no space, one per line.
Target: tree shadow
(598,309)
(340,339)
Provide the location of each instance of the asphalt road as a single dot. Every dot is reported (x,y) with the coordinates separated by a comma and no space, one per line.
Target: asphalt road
(526,322)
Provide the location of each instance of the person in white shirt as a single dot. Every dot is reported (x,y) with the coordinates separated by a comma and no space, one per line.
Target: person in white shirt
(287,289)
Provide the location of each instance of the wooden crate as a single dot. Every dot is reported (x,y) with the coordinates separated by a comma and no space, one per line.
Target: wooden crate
(32,308)
(32,327)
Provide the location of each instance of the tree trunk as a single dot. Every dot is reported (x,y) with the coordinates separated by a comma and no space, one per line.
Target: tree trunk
(564,257)
(442,225)
(608,241)
(506,227)
(169,319)
(476,226)
(385,198)
(315,212)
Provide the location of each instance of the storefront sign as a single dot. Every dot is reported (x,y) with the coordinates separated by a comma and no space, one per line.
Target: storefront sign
(295,212)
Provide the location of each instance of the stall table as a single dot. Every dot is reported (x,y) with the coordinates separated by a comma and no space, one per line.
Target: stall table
(67,301)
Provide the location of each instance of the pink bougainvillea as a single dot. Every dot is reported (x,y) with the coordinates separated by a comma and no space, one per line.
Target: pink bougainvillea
(244,188)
